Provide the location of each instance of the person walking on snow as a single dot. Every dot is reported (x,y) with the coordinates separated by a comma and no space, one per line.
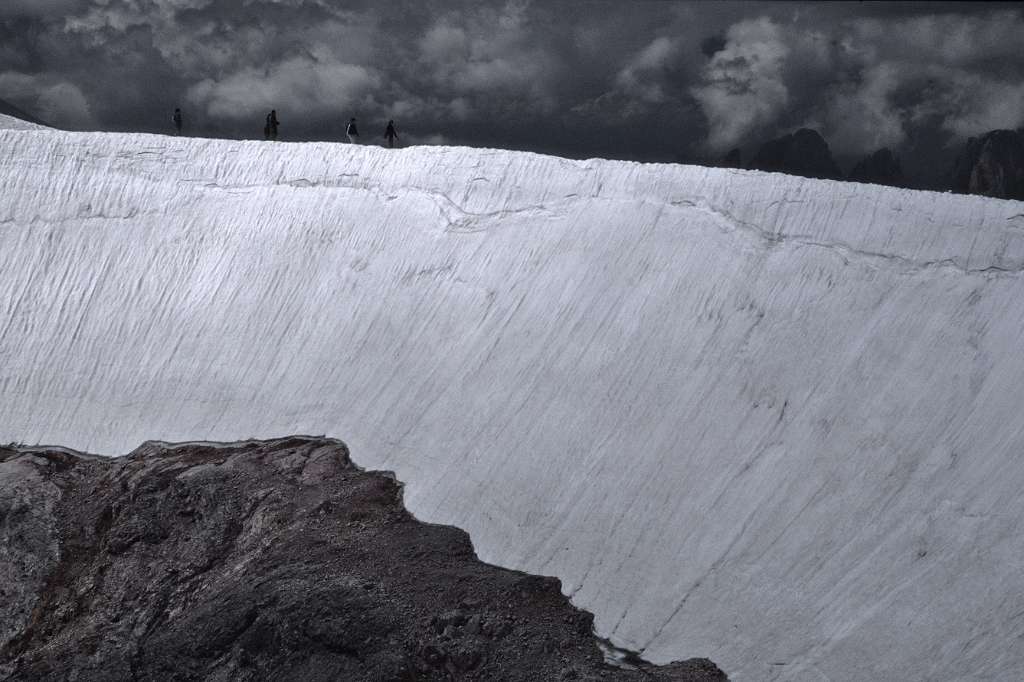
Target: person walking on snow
(391,134)
(177,120)
(353,134)
(270,131)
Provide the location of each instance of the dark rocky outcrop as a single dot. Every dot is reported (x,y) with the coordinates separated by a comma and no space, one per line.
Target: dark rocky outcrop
(804,152)
(992,165)
(264,560)
(880,168)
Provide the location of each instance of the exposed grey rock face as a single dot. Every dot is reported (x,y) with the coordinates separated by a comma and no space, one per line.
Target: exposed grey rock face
(804,152)
(992,165)
(263,560)
(880,168)
(28,541)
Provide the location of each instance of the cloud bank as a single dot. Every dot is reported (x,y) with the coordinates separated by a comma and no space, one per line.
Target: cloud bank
(646,80)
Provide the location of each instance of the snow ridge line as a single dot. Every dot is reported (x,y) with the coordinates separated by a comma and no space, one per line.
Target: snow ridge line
(462,223)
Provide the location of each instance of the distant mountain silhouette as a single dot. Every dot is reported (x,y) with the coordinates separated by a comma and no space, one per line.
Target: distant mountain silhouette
(992,165)
(9,109)
(804,152)
(880,168)
(732,160)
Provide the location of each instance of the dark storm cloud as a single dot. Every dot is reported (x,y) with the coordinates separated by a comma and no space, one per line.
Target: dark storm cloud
(38,8)
(646,80)
(866,81)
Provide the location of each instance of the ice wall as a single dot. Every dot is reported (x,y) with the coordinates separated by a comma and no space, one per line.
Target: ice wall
(764,419)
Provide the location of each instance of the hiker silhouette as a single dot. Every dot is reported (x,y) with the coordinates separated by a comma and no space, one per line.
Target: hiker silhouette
(177,118)
(270,130)
(352,132)
(391,134)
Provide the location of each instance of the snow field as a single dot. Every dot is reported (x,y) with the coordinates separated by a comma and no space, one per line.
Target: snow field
(764,419)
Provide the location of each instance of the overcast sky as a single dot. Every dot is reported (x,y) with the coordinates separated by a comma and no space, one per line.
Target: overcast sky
(625,79)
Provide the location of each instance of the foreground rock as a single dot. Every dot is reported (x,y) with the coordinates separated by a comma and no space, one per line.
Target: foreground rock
(263,560)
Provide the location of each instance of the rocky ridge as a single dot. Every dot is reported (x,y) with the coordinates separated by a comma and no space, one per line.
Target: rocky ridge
(803,152)
(992,165)
(881,167)
(265,560)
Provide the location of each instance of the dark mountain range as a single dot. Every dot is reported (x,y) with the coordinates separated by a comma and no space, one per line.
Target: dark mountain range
(734,159)
(992,165)
(804,152)
(879,168)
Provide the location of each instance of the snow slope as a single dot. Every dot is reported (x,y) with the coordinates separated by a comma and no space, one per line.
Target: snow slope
(769,420)
(14,123)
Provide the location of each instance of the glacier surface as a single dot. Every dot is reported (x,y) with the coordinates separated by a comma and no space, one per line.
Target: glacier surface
(769,420)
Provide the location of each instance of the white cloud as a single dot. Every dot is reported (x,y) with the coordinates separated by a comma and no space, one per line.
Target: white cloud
(946,39)
(968,71)
(49,98)
(860,116)
(444,44)
(744,84)
(985,104)
(642,79)
(490,53)
(528,68)
(864,82)
(304,84)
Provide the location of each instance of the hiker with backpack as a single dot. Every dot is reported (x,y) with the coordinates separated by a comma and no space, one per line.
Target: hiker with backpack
(270,129)
(391,134)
